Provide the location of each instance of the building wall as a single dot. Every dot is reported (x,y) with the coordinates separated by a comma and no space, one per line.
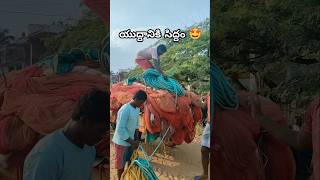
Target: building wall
(114,79)
(39,50)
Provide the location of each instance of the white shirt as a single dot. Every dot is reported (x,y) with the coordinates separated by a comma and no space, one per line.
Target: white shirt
(56,157)
(150,54)
(127,123)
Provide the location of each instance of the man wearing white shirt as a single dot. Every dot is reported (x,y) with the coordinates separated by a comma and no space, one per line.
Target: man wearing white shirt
(126,127)
(150,57)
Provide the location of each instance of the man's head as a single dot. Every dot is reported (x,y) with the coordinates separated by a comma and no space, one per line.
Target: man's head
(91,116)
(161,49)
(139,98)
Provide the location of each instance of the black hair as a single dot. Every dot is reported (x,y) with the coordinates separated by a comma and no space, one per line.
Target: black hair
(92,106)
(140,95)
(161,49)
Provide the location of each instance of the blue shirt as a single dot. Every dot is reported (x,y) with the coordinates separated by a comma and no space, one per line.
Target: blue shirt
(55,157)
(127,123)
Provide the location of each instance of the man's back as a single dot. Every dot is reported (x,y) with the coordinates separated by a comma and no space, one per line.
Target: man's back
(56,158)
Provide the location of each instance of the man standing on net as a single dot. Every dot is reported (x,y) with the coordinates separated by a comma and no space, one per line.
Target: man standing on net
(150,57)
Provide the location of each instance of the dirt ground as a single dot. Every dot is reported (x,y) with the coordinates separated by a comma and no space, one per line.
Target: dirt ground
(182,162)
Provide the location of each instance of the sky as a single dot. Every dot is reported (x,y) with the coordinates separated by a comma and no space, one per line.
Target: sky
(146,14)
(15,15)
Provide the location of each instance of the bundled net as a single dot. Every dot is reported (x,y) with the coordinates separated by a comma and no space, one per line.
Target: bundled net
(243,150)
(161,110)
(35,103)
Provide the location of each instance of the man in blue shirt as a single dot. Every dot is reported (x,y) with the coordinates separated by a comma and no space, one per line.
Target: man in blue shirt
(69,153)
(126,127)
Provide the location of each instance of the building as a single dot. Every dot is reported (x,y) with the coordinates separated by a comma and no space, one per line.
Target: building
(114,78)
(15,56)
(37,33)
(122,74)
(119,76)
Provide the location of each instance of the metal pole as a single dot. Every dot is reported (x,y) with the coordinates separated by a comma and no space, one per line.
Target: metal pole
(5,55)
(30,54)
(4,76)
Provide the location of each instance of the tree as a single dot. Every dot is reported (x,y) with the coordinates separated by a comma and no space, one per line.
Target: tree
(88,32)
(273,30)
(270,34)
(4,37)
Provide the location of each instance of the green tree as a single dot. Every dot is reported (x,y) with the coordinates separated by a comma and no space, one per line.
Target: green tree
(88,32)
(272,30)
(270,34)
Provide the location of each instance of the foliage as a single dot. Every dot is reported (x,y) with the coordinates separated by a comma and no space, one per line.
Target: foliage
(88,32)
(187,61)
(135,72)
(267,34)
(273,30)
(4,37)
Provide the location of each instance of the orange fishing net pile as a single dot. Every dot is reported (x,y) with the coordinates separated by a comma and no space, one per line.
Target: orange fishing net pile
(162,110)
(33,105)
(241,151)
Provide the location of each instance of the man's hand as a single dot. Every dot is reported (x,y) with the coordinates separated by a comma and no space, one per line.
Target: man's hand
(134,144)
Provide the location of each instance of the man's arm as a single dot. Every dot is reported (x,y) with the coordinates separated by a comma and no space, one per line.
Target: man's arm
(122,128)
(134,144)
(123,118)
(41,166)
(156,60)
(296,140)
(281,132)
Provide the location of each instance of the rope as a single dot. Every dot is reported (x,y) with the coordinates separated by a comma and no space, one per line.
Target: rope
(100,173)
(165,134)
(64,61)
(143,165)
(153,78)
(223,93)
(105,53)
